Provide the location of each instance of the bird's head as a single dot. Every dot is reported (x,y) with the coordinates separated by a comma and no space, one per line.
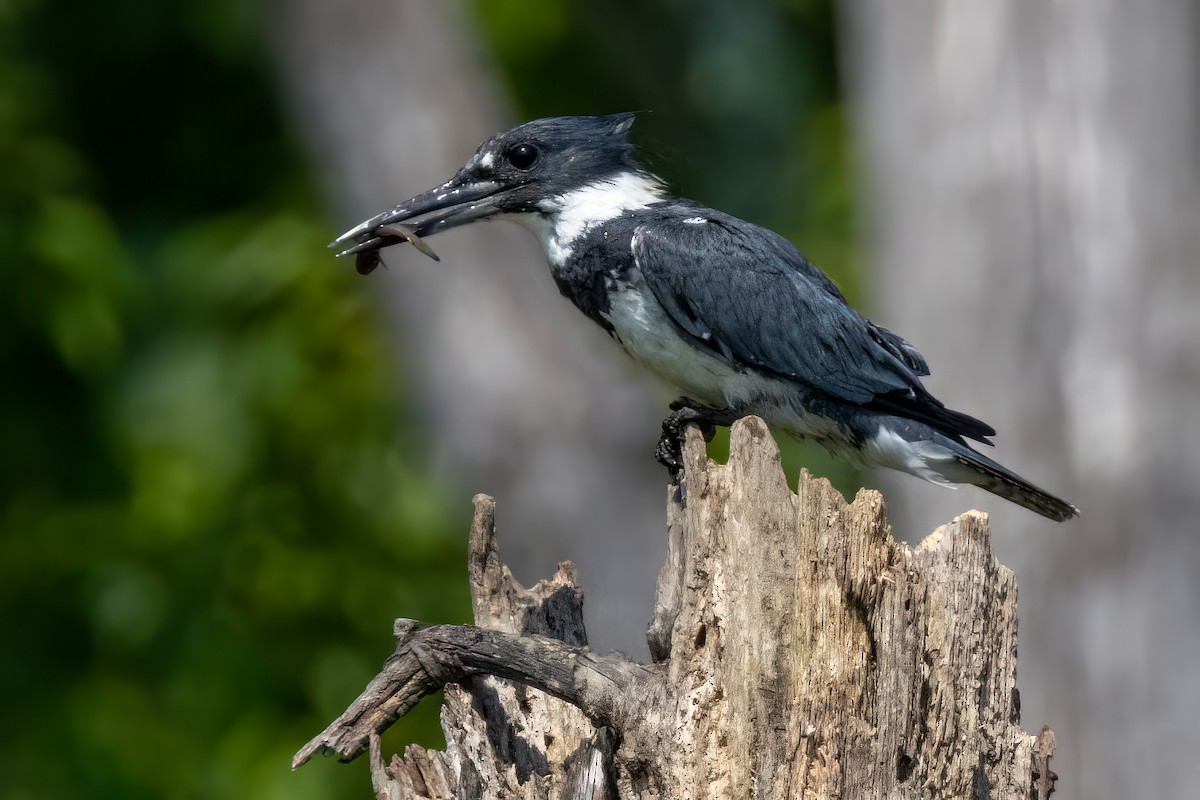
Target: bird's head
(522,172)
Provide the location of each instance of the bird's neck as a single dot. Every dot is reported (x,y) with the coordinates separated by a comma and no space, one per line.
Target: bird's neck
(562,220)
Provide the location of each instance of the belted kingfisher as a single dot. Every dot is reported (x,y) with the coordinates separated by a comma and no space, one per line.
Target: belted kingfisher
(726,311)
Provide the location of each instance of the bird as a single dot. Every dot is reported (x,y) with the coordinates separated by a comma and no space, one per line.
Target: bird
(728,312)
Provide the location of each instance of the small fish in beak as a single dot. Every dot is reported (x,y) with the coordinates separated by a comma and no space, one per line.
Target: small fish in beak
(366,261)
(409,235)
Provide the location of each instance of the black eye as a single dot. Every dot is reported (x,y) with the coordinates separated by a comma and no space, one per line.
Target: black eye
(522,156)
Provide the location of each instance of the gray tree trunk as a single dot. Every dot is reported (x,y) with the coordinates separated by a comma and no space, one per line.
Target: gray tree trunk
(1033,174)
(512,385)
(799,651)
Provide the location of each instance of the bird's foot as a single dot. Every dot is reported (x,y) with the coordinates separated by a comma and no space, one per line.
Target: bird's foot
(669,451)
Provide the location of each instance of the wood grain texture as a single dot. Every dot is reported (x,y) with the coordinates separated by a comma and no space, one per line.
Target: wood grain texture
(799,651)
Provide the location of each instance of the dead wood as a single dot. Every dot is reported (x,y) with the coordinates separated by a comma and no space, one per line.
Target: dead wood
(800,651)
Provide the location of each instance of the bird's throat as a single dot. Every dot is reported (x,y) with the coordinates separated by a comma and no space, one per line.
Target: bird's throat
(561,221)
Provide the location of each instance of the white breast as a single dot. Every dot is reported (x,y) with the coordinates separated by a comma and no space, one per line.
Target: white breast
(649,336)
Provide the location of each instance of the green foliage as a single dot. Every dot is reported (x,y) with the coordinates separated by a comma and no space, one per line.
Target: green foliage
(212,506)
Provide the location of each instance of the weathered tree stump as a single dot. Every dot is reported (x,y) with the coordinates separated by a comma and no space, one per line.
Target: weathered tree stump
(799,651)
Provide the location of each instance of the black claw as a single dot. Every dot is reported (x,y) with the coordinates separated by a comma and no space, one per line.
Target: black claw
(669,450)
(667,453)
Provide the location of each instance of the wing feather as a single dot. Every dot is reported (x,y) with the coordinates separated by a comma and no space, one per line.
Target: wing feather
(746,294)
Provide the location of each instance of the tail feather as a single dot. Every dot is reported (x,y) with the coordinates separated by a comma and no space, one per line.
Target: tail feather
(987,474)
(918,449)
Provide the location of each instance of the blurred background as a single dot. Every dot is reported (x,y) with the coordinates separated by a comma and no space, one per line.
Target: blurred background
(231,461)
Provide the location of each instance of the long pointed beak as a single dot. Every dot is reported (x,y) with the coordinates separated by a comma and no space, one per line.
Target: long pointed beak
(456,202)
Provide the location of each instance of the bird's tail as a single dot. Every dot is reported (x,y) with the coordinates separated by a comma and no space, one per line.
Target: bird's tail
(985,473)
(916,448)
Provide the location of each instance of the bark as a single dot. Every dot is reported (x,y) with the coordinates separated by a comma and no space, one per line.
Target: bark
(1034,188)
(799,651)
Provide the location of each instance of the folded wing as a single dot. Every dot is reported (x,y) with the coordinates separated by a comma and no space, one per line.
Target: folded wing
(748,296)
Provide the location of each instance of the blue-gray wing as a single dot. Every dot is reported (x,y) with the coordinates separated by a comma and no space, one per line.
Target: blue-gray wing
(748,296)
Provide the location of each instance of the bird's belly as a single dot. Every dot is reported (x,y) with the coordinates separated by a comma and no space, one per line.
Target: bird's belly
(647,334)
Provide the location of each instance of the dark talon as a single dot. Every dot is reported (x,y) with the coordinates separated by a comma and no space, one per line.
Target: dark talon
(669,450)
